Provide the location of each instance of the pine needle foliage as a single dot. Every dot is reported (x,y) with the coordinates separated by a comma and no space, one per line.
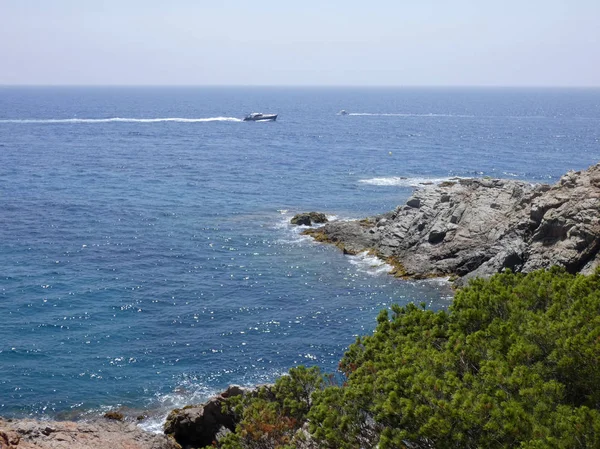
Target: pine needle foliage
(272,418)
(515,362)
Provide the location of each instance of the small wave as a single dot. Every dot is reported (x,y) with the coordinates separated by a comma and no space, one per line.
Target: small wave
(123,120)
(442,281)
(162,404)
(402,181)
(367,263)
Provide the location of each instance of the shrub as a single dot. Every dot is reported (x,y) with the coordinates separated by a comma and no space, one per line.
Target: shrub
(272,417)
(514,363)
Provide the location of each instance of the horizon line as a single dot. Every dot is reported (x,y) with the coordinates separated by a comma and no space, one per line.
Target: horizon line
(335,86)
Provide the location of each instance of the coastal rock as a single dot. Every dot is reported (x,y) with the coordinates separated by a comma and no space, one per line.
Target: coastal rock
(200,425)
(100,434)
(477,227)
(308,218)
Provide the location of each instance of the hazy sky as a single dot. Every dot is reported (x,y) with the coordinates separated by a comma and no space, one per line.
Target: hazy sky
(306,42)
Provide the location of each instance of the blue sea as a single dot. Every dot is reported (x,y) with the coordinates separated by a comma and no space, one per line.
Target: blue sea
(146,255)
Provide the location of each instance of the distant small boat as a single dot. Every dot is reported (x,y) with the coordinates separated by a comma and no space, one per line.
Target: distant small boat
(260,117)
(343,112)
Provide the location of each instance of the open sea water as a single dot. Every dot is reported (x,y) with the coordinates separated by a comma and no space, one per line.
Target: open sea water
(146,256)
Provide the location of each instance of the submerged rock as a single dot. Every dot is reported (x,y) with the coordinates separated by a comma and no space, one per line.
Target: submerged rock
(308,218)
(117,416)
(477,227)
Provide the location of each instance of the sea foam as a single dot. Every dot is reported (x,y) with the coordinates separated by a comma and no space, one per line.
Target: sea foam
(293,233)
(402,181)
(367,263)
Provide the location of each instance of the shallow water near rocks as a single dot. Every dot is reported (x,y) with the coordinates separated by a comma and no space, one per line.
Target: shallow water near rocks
(146,255)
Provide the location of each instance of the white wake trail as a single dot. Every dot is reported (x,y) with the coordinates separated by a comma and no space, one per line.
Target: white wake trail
(374,114)
(124,120)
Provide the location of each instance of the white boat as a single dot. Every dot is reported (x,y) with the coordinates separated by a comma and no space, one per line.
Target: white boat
(260,117)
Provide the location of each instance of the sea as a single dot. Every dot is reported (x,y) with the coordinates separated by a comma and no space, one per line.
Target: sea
(146,255)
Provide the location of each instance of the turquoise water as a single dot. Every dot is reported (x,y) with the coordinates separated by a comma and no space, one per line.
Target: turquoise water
(146,258)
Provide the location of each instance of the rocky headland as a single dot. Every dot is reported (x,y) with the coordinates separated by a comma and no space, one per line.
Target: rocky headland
(466,228)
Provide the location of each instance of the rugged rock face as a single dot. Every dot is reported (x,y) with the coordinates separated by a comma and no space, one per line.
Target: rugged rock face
(308,218)
(477,227)
(100,434)
(200,425)
(197,426)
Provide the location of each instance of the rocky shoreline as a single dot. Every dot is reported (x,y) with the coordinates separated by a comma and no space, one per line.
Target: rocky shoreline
(101,433)
(469,228)
(192,426)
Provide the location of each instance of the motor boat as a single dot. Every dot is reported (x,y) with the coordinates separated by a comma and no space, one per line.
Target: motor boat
(260,117)
(343,112)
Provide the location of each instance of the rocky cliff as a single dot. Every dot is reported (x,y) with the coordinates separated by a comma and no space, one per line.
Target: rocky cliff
(477,227)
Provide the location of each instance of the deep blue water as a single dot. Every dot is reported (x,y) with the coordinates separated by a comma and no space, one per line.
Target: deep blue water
(149,263)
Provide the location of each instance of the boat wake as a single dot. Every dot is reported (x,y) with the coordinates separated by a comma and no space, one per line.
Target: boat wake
(123,120)
(373,114)
(436,115)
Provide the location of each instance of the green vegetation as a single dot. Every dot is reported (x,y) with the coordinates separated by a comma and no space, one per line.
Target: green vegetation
(515,362)
(273,417)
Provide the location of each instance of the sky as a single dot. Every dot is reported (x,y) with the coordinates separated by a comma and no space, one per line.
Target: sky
(307,42)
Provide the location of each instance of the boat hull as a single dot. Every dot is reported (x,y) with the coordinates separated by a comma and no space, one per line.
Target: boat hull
(261,118)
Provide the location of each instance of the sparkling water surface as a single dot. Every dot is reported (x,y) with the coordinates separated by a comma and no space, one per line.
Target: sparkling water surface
(146,256)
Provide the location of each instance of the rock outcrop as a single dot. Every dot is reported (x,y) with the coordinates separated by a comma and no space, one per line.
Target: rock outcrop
(477,227)
(200,425)
(308,218)
(99,434)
